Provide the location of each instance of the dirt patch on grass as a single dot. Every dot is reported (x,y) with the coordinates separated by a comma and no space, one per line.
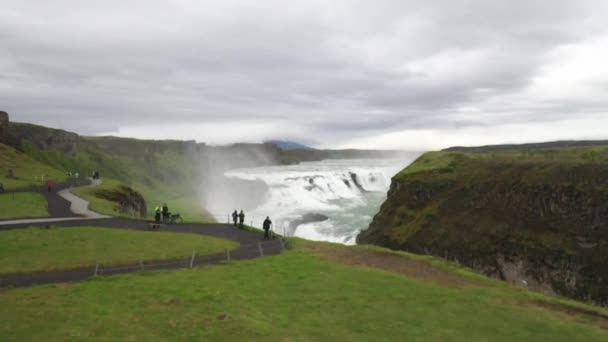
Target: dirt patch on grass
(601,319)
(391,262)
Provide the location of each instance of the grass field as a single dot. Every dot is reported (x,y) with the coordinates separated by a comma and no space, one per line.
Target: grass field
(35,249)
(311,293)
(23,204)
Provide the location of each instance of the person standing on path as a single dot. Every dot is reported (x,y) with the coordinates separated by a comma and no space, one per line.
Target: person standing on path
(241,219)
(49,185)
(235,216)
(267,224)
(157,212)
(166,213)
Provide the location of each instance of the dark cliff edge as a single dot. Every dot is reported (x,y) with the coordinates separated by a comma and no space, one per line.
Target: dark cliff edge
(534,217)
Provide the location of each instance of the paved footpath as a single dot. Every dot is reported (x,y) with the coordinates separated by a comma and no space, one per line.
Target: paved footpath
(63,205)
(252,244)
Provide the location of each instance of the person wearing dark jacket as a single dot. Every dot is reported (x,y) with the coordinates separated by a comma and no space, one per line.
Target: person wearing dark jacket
(166,213)
(241,219)
(266,226)
(235,216)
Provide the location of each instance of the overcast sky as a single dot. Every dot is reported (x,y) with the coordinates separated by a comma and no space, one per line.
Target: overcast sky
(372,74)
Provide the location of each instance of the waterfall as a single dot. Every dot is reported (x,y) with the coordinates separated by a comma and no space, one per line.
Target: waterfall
(348,192)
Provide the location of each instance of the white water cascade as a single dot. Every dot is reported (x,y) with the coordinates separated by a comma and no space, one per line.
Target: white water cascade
(347,192)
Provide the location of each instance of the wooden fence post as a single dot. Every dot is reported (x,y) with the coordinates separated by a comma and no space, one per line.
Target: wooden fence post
(192,259)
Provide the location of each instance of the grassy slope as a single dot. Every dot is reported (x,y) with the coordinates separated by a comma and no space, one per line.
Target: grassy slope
(27,171)
(101,205)
(188,208)
(447,162)
(160,170)
(301,295)
(35,249)
(23,204)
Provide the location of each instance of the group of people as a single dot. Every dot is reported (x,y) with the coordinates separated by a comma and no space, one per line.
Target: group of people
(240,217)
(161,212)
(239,221)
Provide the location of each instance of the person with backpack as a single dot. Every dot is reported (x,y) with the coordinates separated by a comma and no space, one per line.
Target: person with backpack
(266,226)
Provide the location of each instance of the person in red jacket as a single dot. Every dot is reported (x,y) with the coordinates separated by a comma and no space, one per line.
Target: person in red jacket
(49,185)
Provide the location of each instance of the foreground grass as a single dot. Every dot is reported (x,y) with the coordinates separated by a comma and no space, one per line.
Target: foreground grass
(35,249)
(298,296)
(23,204)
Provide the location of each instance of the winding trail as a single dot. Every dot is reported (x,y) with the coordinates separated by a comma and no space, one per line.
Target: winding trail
(251,246)
(80,206)
(63,205)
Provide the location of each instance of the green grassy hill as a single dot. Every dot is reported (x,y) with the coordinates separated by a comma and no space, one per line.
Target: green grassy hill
(313,292)
(27,172)
(538,216)
(162,171)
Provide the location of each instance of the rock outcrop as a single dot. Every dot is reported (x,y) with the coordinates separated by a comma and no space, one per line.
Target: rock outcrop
(304,219)
(538,222)
(128,201)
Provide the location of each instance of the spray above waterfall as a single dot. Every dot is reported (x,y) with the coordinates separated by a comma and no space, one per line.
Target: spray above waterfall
(330,200)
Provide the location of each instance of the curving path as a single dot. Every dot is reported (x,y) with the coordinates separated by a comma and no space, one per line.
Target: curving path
(63,205)
(251,246)
(80,206)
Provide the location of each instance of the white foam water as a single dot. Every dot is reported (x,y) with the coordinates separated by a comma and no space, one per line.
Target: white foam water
(348,192)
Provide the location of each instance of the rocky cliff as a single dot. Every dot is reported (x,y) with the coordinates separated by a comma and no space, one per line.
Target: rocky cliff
(128,201)
(534,218)
(3,127)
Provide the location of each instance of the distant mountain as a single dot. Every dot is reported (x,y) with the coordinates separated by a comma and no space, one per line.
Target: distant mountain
(288,145)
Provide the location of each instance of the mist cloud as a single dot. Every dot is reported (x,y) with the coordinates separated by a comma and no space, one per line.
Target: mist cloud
(329,73)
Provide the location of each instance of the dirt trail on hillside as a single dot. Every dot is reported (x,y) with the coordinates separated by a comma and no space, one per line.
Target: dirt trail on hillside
(395,263)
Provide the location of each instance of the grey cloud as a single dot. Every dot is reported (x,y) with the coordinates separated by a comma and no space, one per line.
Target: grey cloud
(337,69)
